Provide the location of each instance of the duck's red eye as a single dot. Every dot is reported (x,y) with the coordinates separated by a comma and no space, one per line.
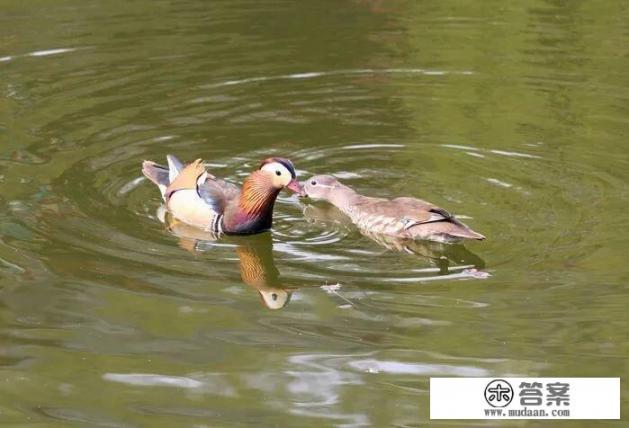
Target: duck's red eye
(278,173)
(313,182)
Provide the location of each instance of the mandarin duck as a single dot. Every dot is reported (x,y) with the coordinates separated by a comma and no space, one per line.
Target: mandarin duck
(446,256)
(403,217)
(197,198)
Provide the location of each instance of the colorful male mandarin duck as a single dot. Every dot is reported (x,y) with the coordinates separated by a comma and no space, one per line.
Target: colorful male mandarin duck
(199,199)
(406,218)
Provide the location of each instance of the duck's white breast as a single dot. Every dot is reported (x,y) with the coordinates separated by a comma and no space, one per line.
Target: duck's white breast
(188,207)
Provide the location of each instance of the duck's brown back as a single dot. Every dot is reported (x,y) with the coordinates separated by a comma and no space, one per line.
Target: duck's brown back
(410,218)
(384,216)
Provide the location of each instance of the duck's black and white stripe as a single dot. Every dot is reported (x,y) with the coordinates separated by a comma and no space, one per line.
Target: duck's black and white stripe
(216,225)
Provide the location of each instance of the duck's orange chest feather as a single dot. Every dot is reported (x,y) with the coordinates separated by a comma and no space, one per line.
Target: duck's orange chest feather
(254,209)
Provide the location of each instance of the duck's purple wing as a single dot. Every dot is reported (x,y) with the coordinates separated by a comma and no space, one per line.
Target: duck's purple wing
(217,193)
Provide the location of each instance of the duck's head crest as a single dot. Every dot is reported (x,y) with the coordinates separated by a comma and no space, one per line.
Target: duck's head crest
(282,173)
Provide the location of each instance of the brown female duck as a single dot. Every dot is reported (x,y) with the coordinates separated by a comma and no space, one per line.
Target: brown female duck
(404,217)
(199,199)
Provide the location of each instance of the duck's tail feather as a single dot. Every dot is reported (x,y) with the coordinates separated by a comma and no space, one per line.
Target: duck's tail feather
(445,231)
(462,230)
(160,175)
(157,174)
(467,234)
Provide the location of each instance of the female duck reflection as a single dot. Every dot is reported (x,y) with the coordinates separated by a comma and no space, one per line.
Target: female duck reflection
(446,257)
(255,256)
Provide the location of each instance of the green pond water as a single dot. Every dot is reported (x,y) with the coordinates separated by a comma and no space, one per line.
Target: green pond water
(512,115)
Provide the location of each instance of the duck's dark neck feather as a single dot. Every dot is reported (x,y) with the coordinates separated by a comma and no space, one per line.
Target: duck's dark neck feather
(253,211)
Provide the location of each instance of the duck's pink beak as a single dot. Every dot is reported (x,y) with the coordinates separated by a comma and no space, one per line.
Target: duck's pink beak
(295,187)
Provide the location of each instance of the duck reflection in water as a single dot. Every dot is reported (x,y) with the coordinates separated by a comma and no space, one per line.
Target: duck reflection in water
(446,257)
(255,255)
(257,269)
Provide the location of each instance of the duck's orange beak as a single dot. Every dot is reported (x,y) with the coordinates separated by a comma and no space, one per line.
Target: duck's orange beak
(295,187)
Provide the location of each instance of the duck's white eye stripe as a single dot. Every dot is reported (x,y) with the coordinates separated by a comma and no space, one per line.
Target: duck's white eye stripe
(275,168)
